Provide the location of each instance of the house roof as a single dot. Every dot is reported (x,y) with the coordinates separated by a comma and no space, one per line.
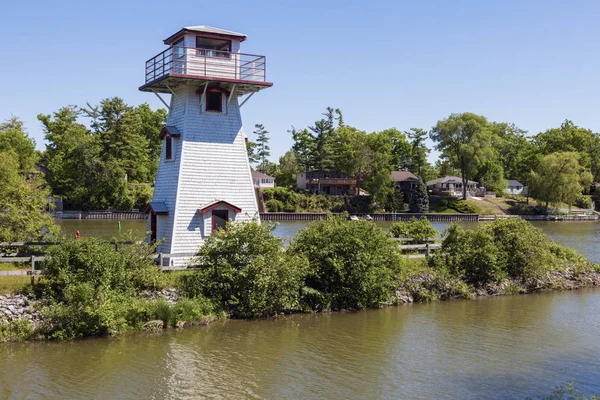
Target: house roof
(169,130)
(401,176)
(512,182)
(447,179)
(216,203)
(260,175)
(158,207)
(205,29)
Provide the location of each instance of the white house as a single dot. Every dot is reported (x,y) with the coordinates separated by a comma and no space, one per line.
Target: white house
(452,184)
(203,177)
(263,181)
(515,187)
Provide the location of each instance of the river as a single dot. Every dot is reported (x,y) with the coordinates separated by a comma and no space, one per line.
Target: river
(491,348)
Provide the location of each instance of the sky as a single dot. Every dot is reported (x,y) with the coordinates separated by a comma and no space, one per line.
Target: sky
(385,64)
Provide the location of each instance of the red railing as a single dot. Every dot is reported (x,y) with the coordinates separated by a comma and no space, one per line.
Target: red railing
(206,63)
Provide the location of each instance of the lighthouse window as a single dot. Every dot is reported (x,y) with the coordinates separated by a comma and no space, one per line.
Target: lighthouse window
(168,148)
(214,101)
(213,47)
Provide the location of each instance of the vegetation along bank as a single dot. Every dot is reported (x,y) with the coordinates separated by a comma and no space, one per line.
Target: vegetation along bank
(246,272)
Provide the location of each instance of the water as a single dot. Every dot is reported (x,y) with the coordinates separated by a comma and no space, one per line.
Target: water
(506,347)
(583,236)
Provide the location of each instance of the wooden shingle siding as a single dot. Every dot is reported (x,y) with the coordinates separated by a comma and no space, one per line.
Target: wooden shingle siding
(210,162)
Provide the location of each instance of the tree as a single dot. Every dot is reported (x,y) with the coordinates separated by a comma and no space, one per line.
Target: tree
(70,155)
(251,149)
(572,138)
(302,147)
(285,176)
(262,146)
(465,140)
(401,149)
(419,202)
(419,150)
(378,180)
(322,135)
(151,123)
(351,152)
(559,178)
(14,139)
(23,203)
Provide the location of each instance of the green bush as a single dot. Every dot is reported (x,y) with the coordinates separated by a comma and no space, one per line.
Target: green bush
(583,201)
(462,207)
(417,229)
(90,289)
(508,248)
(352,264)
(246,272)
(274,205)
(15,331)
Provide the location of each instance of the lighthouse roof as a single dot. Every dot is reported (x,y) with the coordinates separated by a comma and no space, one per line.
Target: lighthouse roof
(208,30)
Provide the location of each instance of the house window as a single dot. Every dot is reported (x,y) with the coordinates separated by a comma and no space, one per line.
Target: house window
(214,101)
(219,219)
(168,147)
(213,47)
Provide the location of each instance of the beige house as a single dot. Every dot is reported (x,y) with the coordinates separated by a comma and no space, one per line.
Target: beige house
(451,184)
(263,181)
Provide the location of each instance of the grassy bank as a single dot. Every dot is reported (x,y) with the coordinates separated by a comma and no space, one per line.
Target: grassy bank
(245,272)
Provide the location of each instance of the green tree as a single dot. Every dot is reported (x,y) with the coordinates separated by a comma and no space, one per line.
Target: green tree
(23,203)
(302,147)
(14,139)
(378,181)
(263,151)
(401,149)
(287,169)
(70,156)
(351,153)
(419,201)
(559,178)
(323,137)
(251,149)
(465,140)
(151,123)
(419,150)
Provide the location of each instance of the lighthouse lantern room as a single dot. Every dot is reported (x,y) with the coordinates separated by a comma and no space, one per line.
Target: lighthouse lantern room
(203,178)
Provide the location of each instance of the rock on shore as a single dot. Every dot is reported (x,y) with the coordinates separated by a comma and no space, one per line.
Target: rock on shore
(16,307)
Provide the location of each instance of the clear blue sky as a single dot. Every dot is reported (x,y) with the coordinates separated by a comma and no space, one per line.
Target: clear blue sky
(383,63)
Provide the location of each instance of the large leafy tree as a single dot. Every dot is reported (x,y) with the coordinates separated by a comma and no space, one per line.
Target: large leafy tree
(516,152)
(285,175)
(572,138)
(401,149)
(465,140)
(302,148)
(263,151)
(378,180)
(23,202)
(559,178)
(14,139)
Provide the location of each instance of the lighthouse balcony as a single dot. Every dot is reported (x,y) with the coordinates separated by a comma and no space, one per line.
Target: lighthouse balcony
(178,65)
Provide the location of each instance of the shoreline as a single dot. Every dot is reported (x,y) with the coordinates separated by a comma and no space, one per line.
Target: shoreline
(316,216)
(18,310)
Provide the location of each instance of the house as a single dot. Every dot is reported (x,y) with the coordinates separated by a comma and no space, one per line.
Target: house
(203,179)
(263,181)
(405,181)
(515,187)
(451,184)
(335,183)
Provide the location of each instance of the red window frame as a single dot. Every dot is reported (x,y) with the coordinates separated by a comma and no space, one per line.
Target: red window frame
(214,228)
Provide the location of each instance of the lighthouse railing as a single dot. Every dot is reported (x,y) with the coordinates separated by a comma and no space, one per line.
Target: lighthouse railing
(207,63)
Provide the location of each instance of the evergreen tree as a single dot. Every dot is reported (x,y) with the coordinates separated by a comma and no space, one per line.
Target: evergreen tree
(302,147)
(323,138)
(419,202)
(251,149)
(419,150)
(263,151)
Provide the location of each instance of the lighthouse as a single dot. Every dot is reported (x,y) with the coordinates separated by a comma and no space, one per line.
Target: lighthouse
(203,179)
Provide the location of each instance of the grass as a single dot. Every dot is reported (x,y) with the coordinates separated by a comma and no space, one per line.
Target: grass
(483,207)
(13,266)
(438,205)
(12,284)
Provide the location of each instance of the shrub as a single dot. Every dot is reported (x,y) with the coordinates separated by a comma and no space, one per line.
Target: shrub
(287,197)
(90,288)
(352,264)
(246,272)
(419,202)
(510,248)
(583,201)
(417,229)
(274,205)
(462,207)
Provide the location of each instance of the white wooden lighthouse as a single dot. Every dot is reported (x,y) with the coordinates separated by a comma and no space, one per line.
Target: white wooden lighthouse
(203,177)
